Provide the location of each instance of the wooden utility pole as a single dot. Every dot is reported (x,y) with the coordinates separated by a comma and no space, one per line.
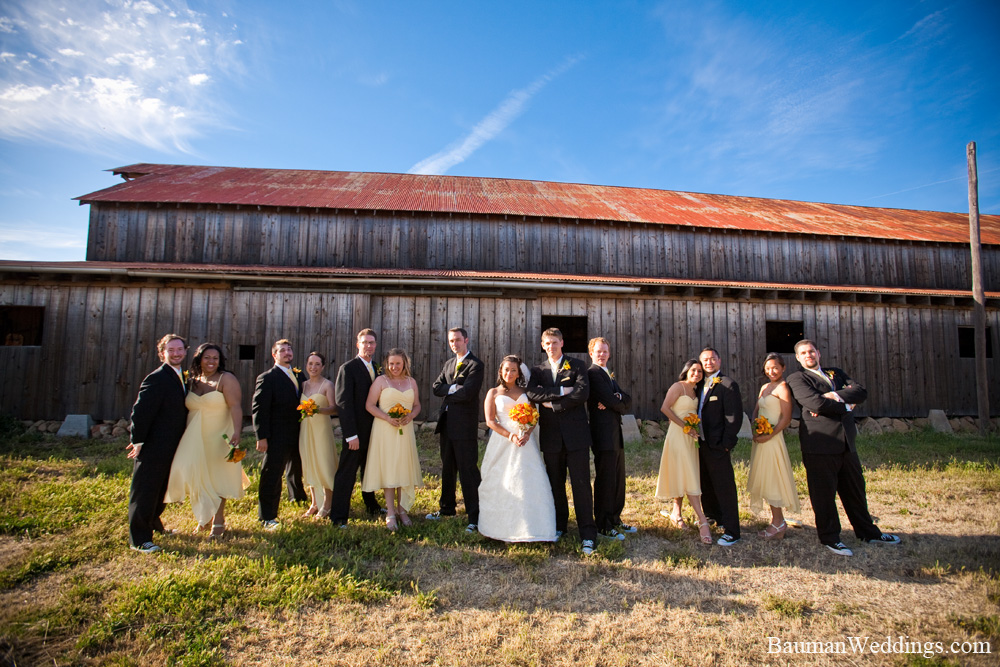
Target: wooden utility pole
(978,293)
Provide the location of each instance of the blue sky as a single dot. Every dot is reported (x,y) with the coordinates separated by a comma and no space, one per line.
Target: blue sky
(868,103)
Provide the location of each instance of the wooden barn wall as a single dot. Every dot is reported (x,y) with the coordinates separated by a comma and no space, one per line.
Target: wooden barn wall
(331,239)
(99,341)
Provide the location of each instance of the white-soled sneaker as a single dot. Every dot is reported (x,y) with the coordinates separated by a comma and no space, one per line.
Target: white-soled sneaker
(727,540)
(840,549)
(147,548)
(472,528)
(270,525)
(885,538)
(626,528)
(587,547)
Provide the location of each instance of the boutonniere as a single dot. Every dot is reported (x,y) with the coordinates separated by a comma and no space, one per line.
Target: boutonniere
(458,367)
(297,371)
(378,369)
(186,375)
(565,366)
(829,374)
(716,380)
(612,374)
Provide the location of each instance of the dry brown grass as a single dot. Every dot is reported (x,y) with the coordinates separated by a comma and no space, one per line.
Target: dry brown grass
(659,598)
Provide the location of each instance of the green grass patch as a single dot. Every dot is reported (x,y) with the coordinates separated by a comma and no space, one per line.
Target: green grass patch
(786,607)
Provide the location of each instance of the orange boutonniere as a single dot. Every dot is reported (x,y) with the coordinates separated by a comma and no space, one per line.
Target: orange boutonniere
(829,374)
(716,380)
(612,374)
(565,366)
(186,375)
(296,370)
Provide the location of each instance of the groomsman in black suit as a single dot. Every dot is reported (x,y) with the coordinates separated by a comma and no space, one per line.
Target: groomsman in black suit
(354,379)
(276,422)
(720,407)
(459,383)
(827,398)
(606,405)
(561,388)
(159,418)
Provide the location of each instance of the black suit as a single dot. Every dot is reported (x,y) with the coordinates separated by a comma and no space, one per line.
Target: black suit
(608,445)
(721,418)
(828,452)
(564,438)
(276,419)
(351,394)
(159,418)
(459,429)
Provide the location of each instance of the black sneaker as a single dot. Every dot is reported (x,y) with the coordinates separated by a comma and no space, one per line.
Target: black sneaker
(727,540)
(610,534)
(840,549)
(587,547)
(625,528)
(885,538)
(146,548)
(472,528)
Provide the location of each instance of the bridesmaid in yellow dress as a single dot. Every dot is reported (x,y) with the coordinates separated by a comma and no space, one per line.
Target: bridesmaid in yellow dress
(679,475)
(393,464)
(199,468)
(316,445)
(771,478)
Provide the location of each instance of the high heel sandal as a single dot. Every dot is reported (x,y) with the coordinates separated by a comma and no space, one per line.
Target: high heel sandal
(404,517)
(323,513)
(311,511)
(202,528)
(778,534)
(218,530)
(705,532)
(390,522)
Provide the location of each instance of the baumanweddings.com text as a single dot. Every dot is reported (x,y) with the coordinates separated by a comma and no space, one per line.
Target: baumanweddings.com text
(897,645)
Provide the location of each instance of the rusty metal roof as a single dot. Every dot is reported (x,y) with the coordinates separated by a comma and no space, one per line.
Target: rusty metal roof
(358,276)
(159,183)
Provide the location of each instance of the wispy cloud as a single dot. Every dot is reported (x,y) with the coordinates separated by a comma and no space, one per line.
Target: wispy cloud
(94,73)
(493,124)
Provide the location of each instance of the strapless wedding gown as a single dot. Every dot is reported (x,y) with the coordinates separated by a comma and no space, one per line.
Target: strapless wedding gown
(515,498)
(393,461)
(771,480)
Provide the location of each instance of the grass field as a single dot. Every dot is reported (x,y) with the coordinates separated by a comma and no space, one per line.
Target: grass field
(71,592)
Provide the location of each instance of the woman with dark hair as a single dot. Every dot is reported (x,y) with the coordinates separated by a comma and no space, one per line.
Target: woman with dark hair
(771,478)
(393,464)
(515,497)
(679,475)
(215,419)
(316,445)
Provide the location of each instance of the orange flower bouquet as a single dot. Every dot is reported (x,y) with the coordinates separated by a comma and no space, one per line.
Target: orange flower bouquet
(762,427)
(397,412)
(236,450)
(525,415)
(691,422)
(307,408)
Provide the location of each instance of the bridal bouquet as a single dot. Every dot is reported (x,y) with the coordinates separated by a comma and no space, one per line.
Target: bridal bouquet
(524,415)
(762,427)
(236,450)
(307,408)
(397,412)
(691,422)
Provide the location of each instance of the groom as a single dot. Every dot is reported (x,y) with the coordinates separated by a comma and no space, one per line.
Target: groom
(561,388)
(159,418)
(276,422)
(459,385)
(720,407)
(826,433)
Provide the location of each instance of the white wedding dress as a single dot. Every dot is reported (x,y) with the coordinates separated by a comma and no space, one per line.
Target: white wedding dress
(515,499)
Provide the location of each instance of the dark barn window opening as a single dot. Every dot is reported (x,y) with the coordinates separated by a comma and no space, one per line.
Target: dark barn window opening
(21,325)
(574,331)
(248,352)
(967,343)
(782,336)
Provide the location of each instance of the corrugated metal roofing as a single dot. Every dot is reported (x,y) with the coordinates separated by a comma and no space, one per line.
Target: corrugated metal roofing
(158,183)
(212,271)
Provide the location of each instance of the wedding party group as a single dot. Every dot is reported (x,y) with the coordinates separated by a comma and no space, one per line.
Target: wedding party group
(545,422)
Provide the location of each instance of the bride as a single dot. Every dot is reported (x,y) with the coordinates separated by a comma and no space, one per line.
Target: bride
(515,499)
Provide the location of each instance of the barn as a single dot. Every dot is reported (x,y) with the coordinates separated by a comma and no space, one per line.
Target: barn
(243,257)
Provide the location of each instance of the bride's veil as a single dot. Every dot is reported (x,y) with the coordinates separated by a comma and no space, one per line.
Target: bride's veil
(526,373)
